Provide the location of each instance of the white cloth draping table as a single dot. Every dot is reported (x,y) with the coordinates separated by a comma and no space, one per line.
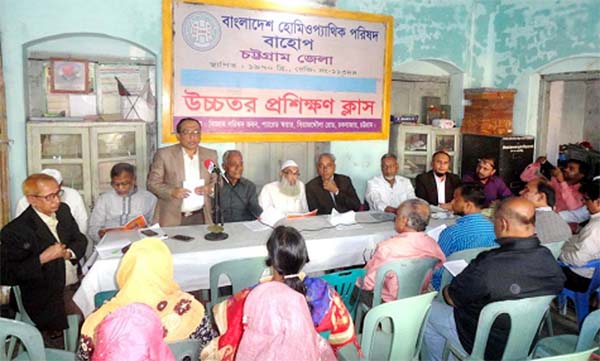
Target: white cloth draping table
(328,248)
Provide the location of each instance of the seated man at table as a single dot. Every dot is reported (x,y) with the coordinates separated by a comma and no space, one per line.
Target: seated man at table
(40,250)
(412,217)
(549,226)
(386,191)
(472,229)
(485,174)
(239,201)
(287,195)
(504,273)
(330,190)
(437,186)
(121,204)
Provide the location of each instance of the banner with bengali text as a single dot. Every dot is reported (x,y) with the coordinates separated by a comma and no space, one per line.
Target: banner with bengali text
(276,74)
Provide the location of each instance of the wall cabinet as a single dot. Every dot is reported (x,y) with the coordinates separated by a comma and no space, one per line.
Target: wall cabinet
(84,152)
(415,144)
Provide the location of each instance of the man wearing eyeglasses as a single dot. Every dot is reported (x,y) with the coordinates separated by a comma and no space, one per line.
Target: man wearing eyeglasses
(39,251)
(120,205)
(288,194)
(177,173)
(485,174)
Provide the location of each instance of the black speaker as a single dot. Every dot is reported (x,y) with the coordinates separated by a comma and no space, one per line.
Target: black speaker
(513,153)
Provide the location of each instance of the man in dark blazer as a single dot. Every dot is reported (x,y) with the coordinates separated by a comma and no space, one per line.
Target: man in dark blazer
(330,190)
(426,185)
(39,252)
(172,166)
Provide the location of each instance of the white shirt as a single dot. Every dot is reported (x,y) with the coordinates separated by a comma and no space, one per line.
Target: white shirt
(270,196)
(70,269)
(72,198)
(380,194)
(440,185)
(583,247)
(191,170)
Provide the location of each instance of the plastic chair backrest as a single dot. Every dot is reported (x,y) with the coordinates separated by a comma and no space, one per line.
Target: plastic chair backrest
(554,247)
(410,274)
(26,333)
(21,312)
(466,254)
(588,331)
(343,282)
(575,356)
(408,317)
(525,317)
(101,297)
(185,348)
(242,273)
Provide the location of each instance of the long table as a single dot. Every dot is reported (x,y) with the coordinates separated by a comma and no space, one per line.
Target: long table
(328,248)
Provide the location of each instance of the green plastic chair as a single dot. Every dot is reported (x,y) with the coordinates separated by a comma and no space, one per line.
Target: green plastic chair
(31,339)
(466,254)
(576,356)
(185,349)
(343,282)
(554,247)
(407,316)
(242,273)
(101,298)
(410,275)
(525,316)
(557,345)
(70,335)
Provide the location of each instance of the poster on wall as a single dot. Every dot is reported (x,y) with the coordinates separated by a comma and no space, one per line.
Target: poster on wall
(275,73)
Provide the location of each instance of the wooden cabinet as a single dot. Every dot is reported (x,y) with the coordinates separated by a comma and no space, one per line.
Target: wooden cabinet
(84,152)
(415,144)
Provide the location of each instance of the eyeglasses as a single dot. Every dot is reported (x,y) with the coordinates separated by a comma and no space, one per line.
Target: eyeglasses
(190,132)
(50,197)
(120,184)
(288,172)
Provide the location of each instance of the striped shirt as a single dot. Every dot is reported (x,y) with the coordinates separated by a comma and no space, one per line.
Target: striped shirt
(470,231)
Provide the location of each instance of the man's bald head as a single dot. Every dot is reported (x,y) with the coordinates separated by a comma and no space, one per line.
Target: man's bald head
(515,217)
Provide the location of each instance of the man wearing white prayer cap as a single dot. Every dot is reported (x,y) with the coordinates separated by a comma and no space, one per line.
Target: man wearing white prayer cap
(69,196)
(287,195)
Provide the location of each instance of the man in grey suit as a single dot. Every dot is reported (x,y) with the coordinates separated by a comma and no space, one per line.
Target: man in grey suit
(176,164)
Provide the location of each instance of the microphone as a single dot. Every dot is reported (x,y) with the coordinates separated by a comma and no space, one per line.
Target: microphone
(211,167)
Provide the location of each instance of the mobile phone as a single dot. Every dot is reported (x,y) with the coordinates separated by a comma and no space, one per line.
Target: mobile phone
(181,237)
(149,233)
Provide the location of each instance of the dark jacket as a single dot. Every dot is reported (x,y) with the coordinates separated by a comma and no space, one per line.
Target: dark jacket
(42,286)
(426,188)
(319,198)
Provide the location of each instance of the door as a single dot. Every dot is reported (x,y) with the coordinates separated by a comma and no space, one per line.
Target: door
(4,144)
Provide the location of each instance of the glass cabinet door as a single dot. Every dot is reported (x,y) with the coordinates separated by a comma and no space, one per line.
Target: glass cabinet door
(413,158)
(116,144)
(445,142)
(61,146)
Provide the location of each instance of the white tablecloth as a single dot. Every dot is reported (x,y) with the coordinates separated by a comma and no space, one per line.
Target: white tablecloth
(328,248)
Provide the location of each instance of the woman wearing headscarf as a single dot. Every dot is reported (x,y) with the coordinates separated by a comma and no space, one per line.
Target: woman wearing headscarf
(145,275)
(287,255)
(131,333)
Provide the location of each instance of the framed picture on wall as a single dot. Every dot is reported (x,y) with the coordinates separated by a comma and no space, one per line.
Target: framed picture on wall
(69,76)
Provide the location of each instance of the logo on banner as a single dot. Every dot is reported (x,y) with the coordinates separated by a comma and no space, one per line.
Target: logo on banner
(201,31)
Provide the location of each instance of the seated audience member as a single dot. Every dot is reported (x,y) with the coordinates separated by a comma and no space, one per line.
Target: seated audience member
(437,186)
(412,218)
(286,195)
(131,333)
(175,165)
(121,204)
(503,273)
(549,226)
(69,196)
(330,190)
(472,229)
(493,186)
(584,246)
(40,250)
(278,325)
(287,255)
(385,192)
(145,275)
(239,201)
(566,184)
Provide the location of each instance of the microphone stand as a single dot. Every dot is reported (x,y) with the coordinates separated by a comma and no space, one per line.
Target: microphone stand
(216,229)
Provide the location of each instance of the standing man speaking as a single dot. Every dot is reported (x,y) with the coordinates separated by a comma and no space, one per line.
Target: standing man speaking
(177,174)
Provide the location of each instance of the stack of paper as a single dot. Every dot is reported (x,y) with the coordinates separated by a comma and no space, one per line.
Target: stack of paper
(456,267)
